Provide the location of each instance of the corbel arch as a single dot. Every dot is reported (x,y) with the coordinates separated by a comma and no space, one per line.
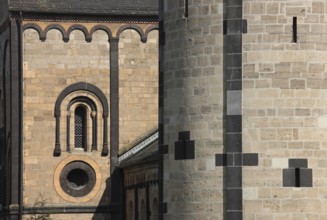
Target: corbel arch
(58,27)
(149,29)
(135,28)
(42,34)
(103,28)
(88,37)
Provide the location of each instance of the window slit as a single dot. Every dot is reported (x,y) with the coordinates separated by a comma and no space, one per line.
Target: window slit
(294,40)
(186,8)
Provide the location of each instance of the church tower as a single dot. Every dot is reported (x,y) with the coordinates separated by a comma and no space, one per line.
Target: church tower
(192,109)
(79,82)
(242,124)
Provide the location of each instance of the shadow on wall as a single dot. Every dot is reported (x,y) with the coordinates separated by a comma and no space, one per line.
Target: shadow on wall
(110,203)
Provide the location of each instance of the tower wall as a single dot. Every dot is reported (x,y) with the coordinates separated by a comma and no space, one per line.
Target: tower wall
(193,109)
(284,109)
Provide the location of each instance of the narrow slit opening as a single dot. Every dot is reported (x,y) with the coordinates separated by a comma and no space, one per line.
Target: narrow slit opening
(294,40)
(186,8)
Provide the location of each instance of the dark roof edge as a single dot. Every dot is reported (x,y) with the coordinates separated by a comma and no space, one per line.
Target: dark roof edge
(152,11)
(153,158)
(50,16)
(146,139)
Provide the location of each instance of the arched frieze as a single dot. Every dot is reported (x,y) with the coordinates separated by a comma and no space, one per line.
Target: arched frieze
(149,29)
(88,37)
(88,34)
(103,28)
(132,27)
(42,34)
(65,36)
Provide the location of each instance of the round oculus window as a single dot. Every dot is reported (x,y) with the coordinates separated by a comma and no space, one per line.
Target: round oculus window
(77,179)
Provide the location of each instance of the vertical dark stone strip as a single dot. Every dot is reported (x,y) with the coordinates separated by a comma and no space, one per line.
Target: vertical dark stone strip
(114,102)
(21,114)
(115,177)
(7,98)
(123,205)
(94,132)
(68,132)
(57,150)
(147,198)
(136,198)
(233,29)
(105,137)
(161,112)
(3,136)
(15,114)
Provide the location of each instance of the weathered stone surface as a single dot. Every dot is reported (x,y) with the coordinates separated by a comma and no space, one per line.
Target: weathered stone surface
(53,65)
(294,95)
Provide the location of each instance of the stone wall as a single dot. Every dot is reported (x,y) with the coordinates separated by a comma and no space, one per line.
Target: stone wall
(140,178)
(284,109)
(3,11)
(138,92)
(49,68)
(193,102)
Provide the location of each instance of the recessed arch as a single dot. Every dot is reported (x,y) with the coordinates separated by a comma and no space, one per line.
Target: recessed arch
(103,28)
(149,29)
(82,99)
(82,86)
(58,27)
(132,27)
(42,34)
(88,37)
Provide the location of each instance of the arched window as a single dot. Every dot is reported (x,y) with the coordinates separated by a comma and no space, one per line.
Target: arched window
(84,121)
(80,127)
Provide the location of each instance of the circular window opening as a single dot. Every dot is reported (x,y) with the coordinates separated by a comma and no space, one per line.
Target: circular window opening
(77,179)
